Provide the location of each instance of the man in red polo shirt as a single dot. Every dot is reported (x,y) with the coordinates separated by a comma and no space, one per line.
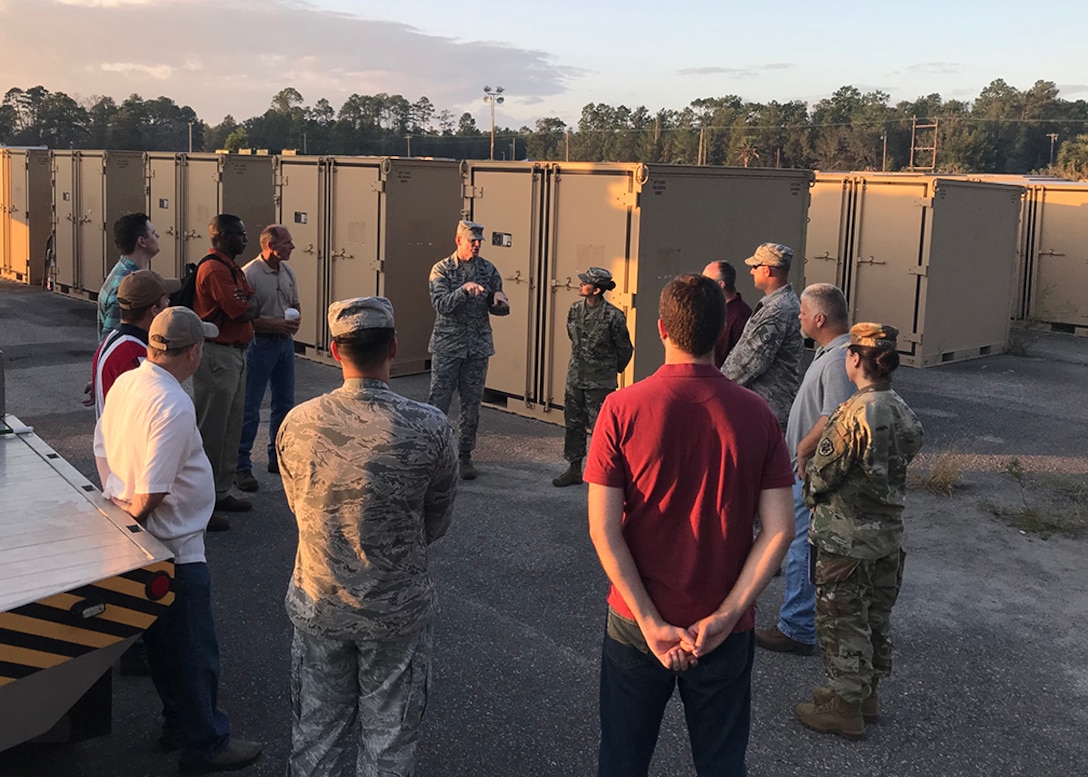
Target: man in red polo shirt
(224,298)
(679,465)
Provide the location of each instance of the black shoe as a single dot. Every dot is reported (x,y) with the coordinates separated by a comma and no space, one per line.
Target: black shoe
(238,754)
(274,467)
(232,504)
(218,523)
(245,481)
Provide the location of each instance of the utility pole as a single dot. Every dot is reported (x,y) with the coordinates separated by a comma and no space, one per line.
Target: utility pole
(567,139)
(409,139)
(1053,137)
(513,148)
(493,96)
(191,139)
(884,159)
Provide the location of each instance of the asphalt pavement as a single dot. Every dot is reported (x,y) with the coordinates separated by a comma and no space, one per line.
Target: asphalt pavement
(990,680)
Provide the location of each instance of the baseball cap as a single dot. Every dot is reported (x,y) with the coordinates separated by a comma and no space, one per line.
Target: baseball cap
(874,335)
(470,229)
(144,288)
(771,255)
(598,276)
(179,327)
(354,315)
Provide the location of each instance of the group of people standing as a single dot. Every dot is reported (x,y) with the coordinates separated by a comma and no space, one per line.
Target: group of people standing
(679,466)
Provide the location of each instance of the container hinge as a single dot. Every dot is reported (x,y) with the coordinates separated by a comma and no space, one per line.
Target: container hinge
(920,271)
(913,337)
(470,192)
(378,186)
(629,199)
(923,202)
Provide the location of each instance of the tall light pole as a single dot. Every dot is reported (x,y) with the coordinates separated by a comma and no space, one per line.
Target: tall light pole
(493,96)
(190,137)
(1053,136)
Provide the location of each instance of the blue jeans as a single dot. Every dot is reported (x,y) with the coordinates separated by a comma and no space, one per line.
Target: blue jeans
(183,656)
(717,696)
(268,360)
(797,618)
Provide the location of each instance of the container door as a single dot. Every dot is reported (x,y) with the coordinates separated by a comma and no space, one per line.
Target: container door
(421,204)
(200,193)
(301,204)
(38,214)
(6,261)
(17,258)
(91,240)
(353,262)
(589,227)
(64,221)
(890,242)
(1060,275)
(165,215)
(248,192)
(508,202)
(826,244)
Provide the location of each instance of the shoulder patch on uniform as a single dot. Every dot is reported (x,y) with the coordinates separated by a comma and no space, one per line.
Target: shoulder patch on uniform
(826,447)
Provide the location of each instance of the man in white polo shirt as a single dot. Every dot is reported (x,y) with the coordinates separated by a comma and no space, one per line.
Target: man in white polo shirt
(152,464)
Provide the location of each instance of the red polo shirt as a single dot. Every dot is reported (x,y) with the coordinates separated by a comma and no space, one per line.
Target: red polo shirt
(216,300)
(692,451)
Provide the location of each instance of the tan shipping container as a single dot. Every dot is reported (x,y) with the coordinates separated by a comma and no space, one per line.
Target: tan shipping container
(100,187)
(369,226)
(25,214)
(544,223)
(164,199)
(935,257)
(1056,250)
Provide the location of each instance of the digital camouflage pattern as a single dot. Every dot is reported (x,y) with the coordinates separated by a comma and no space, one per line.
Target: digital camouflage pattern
(767,358)
(467,377)
(462,324)
(854,600)
(856,482)
(600,345)
(371,478)
(357,696)
(580,409)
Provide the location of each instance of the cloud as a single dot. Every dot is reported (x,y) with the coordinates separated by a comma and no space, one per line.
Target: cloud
(935,68)
(178,49)
(1065,89)
(736,72)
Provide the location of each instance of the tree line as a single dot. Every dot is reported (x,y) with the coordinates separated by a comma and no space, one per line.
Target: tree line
(1003,130)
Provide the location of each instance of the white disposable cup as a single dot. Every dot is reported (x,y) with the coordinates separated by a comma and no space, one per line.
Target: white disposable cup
(291,314)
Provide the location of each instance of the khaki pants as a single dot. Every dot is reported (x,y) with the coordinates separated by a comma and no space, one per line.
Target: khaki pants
(219,394)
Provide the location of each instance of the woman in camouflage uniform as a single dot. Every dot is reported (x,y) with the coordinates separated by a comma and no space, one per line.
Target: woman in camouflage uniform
(855,485)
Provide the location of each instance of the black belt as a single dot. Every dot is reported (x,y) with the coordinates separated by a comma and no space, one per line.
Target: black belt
(272,336)
(239,346)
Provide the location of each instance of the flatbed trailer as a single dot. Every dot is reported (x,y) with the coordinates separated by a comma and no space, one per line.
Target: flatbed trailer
(80,580)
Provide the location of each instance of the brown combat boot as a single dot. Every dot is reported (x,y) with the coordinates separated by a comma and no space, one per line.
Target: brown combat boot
(870,707)
(833,716)
(572,477)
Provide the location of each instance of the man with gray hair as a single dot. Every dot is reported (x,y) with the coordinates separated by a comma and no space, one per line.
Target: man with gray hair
(825,319)
(466,290)
(371,478)
(767,359)
(152,465)
(270,355)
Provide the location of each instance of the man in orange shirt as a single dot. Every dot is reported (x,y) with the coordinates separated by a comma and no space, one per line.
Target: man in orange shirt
(224,298)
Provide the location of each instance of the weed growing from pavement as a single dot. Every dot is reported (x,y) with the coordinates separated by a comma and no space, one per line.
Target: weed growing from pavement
(1050,503)
(943,476)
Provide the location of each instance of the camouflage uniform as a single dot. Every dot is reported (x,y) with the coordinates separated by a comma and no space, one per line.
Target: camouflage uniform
(767,359)
(855,484)
(600,346)
(371,477)
(461,341)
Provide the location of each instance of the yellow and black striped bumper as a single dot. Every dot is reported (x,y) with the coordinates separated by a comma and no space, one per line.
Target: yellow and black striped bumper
(59,628)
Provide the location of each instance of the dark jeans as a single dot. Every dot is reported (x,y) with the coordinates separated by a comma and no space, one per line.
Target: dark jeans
(183,656)
(717,696)
(268,361)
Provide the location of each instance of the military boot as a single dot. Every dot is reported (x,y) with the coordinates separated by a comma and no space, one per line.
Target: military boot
(833,716)
(468,472)
(870,707)
(572,477)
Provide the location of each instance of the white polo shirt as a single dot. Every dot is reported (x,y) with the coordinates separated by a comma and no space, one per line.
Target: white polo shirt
(149,438)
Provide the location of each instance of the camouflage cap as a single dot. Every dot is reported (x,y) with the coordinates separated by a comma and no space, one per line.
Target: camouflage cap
(144,288)
(470,229)
(598,276)
(771,255)
(179,327)
(354,315)
(872,335)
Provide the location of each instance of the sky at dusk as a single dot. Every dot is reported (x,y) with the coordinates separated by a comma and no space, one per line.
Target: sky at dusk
(231,56)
